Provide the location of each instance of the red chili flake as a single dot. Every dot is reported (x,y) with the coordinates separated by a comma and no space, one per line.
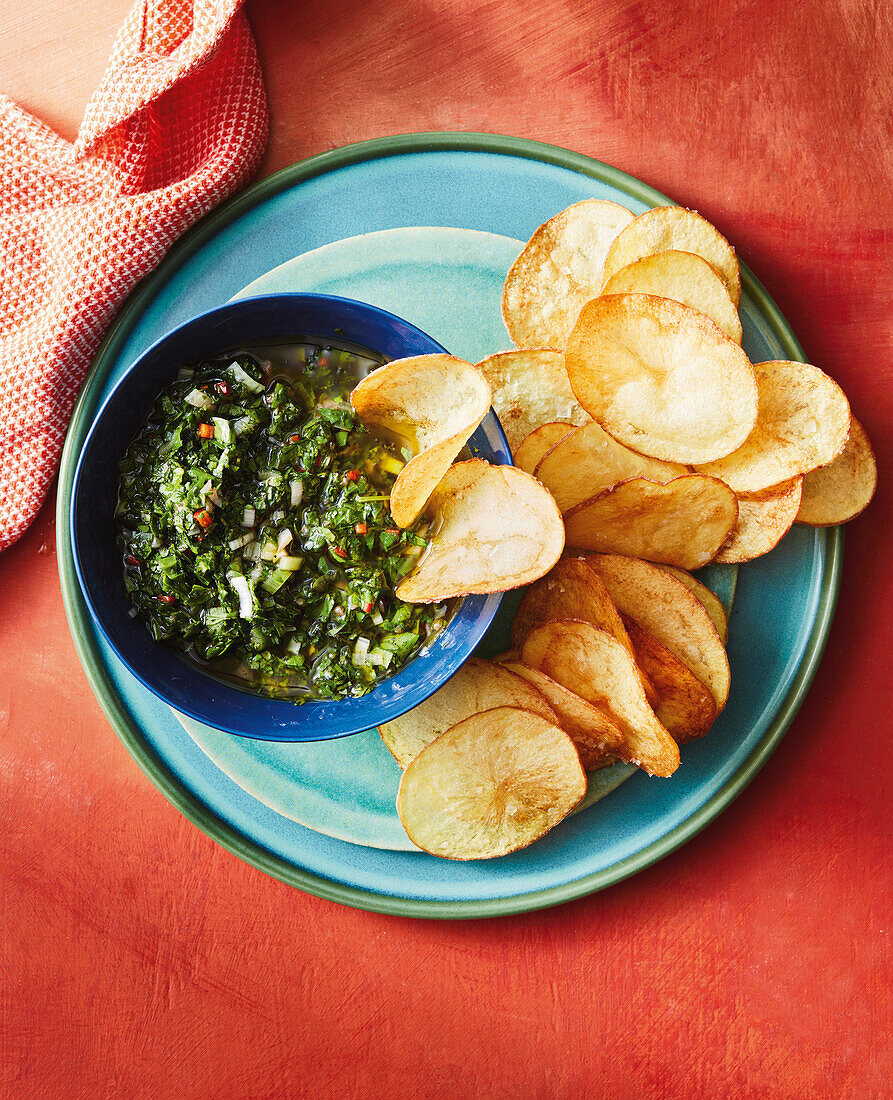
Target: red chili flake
(131,559)
(296,438)
(203,518)
(367,607)
(361,528)
(165,598)
(223,387)
(340,551)
(392,531)
(206,431)
(352,475)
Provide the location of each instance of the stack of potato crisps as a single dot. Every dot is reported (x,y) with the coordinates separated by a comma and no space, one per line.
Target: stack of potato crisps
(646,445)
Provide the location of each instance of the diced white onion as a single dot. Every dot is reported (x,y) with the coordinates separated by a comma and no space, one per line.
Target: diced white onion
(241,424)
(290,564)
(242,590)
(285,537)
(183,373)
(377,617)
(245,378)
(268,553)
(251,551)
(361,653)
(248,517)
(215,498)
(278,516)
(156,543)
(242,540)
(297,492)
(132,613)
(199,400)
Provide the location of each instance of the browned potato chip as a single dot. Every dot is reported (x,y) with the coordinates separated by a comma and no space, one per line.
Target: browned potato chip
(661,378)
(682,523)
(802,423)
(477,686)
(713,605)
(840,491)
(763,520)
(434,402)
(590,729)
(684,705)
(570,590)
(668,610)
(673,228)
(559,270)
(588,460)
(495,527)
(543,439)
(530,388)
(685,278)
(492,784)
(595,666)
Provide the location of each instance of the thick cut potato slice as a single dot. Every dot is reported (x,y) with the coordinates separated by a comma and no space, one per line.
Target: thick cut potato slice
(840,491)
(763,521)
(661,378)
(684,705)
(670,611)
(802,423)
(492,784)
(589,727)
(673,228)
(558,271)
(588,460)
(595,666)
(713,605)
(495,527)
(432,401)
(530,388)
(570,590)
(477,686)
(682,523)
(538,443)
(685,278)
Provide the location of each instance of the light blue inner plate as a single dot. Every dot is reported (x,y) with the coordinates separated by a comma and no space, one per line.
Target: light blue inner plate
(776,604)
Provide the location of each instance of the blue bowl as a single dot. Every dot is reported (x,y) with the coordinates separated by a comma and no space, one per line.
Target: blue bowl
(98,561)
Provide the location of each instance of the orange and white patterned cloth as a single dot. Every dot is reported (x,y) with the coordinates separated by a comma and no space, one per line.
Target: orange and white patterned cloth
(178,123)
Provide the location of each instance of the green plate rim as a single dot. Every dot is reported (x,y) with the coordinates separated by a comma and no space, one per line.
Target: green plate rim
(128,731)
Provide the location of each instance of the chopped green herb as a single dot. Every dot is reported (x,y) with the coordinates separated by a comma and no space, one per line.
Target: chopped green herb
(254,524)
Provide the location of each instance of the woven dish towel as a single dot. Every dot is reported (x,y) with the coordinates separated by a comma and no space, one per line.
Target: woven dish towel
(178,123)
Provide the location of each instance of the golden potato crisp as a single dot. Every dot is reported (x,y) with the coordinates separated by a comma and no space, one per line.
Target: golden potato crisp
(684,705)
(673,228)
(685,278)
(682,523)
(530,388)
(595,666)
(763,521)
(661,378)
(491,784)
(477,686)
(434,401)
(840,491)
(538,443)
(588,460)
(713,605)
(495,527)
(802,423)
(590,729)
(669,611)
(558,271)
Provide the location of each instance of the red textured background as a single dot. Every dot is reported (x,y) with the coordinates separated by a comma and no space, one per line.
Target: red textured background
(141,960)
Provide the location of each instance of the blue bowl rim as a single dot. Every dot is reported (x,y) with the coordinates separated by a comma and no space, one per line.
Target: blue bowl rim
(483,608)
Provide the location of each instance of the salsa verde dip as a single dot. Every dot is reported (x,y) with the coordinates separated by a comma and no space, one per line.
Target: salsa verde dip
(255,531)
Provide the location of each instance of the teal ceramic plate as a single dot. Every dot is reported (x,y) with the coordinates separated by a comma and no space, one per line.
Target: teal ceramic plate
(783,604)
